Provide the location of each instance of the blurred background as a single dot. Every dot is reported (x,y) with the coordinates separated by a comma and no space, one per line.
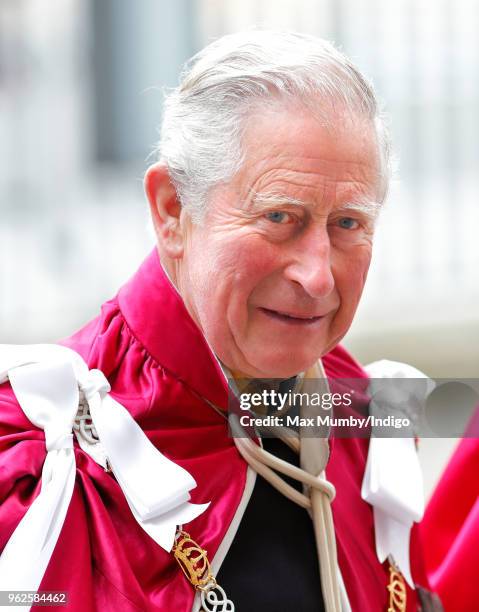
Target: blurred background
(81,87)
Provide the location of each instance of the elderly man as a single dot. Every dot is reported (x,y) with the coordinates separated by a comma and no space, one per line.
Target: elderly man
(273,166)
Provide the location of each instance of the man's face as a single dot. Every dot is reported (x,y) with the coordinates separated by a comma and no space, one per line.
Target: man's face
(274,274)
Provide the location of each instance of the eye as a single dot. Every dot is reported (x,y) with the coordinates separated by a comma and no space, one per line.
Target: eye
(278,217)
(348,223)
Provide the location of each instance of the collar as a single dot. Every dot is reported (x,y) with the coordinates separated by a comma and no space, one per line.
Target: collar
(156,315)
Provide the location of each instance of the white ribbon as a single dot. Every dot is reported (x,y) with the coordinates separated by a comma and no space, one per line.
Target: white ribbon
(392,481)
(46,380)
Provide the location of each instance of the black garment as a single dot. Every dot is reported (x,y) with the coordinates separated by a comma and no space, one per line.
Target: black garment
(272,565)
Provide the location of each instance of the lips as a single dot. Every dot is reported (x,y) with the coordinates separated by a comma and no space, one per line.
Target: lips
(296,318)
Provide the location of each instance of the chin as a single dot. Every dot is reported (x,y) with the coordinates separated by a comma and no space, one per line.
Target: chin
(284,366)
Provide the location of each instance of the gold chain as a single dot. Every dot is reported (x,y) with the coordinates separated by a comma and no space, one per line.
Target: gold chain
(397,590)
(194,562)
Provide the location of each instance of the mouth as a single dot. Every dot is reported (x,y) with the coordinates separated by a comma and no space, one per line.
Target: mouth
(292,319)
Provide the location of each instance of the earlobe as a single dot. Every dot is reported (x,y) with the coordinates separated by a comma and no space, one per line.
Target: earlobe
(165,209)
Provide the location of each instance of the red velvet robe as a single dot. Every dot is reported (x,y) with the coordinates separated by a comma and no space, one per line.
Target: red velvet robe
(160,367)
(451,530)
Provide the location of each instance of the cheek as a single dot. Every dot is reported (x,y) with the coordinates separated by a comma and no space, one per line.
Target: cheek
(224,274)
(249,257)
(351,276)
(253,267)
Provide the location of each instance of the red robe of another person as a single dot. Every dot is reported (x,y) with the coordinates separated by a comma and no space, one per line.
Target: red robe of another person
(160,368)
(450,530)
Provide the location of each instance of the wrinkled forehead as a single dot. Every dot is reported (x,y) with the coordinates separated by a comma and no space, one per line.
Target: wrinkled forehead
(292,144)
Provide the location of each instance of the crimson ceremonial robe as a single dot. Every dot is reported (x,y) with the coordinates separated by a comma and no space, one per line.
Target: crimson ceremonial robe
(450,530)
(161,368)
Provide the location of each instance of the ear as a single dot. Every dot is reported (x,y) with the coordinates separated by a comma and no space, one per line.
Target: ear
(165,209)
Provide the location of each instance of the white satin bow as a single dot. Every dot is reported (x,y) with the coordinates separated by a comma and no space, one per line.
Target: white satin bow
(46,380)
(392,481)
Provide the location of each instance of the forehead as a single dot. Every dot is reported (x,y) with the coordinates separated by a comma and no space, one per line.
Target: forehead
(293,151)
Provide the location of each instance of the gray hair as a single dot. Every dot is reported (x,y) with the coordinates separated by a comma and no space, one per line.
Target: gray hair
(204,118)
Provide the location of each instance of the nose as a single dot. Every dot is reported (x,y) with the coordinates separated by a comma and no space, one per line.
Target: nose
(310,264)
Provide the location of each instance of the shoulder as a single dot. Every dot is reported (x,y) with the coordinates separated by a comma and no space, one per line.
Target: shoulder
(102,343)
(101,340)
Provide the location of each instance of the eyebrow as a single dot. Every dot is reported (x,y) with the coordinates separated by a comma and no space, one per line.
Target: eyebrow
(368,208)
(275,198)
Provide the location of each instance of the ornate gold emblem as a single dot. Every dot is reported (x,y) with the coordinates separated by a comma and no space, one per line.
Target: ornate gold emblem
(397,590)
(193,560)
